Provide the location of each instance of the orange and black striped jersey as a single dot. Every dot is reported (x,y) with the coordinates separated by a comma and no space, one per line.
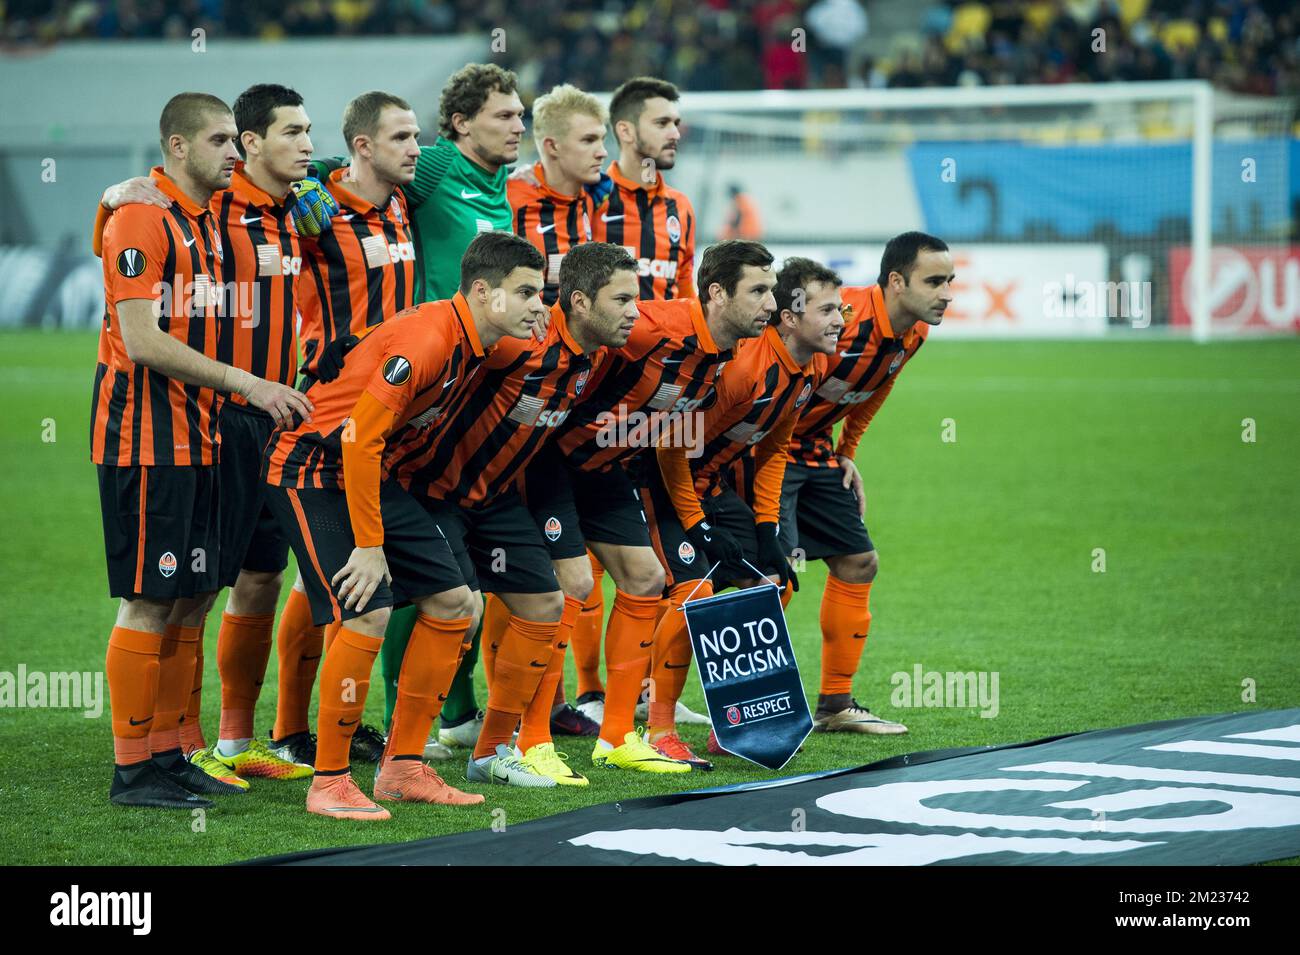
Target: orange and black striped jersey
(357,274)
(553,222)
(172,257)
(526,390)
(858,379)
(759,397)
(656,224)
(415,365)
(261,262)
(665,371)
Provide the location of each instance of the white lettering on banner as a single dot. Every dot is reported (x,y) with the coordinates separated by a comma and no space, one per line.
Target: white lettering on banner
(1250,287)
(727,643)
(1191,801)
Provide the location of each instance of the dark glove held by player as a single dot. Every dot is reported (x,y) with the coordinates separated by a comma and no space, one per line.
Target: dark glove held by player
(331,358)
(716,544)
(772,554)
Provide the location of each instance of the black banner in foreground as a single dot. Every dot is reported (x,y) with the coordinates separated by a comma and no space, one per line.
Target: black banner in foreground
(1217,790)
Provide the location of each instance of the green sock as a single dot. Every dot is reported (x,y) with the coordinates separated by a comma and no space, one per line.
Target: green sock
(391,651)
(460,700)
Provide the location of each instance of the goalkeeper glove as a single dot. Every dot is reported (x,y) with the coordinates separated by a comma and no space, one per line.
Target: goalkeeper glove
(599,191)
(313,207)
(331,358)
(716,544)
(772,554)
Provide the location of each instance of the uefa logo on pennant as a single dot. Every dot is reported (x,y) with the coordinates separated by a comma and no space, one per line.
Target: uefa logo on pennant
(553,528)
(167,564)
(686,553)
(733,715)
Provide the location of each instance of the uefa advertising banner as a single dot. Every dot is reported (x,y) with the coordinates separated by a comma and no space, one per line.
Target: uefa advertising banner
(1252,288)
(751,679)
(1010,290)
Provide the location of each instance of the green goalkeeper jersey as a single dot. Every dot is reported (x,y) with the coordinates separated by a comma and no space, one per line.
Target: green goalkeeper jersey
(451,200)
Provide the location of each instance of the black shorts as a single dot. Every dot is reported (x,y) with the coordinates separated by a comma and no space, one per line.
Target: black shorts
(572,507)
(819,516)
(317,524)
(497,546)
(251,538)
(161,533)
(677,554)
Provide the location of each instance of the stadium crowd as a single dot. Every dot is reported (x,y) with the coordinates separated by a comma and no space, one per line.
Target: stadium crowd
(1245,46)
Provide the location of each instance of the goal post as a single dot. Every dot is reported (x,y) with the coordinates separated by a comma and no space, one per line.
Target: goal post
(1077,209)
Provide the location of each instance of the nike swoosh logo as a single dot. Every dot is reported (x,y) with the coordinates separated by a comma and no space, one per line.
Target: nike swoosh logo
(353,723)
(561,646)
(859,636)
(673,361)
(605,218)
(852,354)
(190,242)
(495,647)
(543,229)
(650,644)
(306,659)
(441,697)
(469,195)
(676,666)
(134,722)
(534,663)
(535,377)
(256,218)
(452,382)
(395,793)
(346,218)
(763,401)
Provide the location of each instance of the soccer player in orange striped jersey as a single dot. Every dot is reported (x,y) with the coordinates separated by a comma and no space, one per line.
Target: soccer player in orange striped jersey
(364,542)
(554,211)
(259,268)
(652,219)
(362,270)
(154,437)
(470,479)
(702,525)
(822,500)
(664,374)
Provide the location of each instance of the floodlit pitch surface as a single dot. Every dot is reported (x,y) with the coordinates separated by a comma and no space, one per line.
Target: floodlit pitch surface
(1098,534)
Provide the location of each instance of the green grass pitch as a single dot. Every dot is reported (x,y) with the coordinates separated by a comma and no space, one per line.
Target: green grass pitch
(988,551)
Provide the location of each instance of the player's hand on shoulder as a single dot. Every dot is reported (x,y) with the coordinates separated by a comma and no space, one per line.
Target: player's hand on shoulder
(330,364)
(358,579)
(525,174)
(314,207)
(139,189)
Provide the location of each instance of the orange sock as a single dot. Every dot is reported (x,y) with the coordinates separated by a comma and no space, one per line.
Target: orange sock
(660,610)
(176,658)
(522,658)
(672,658)
(535,726)
(243,648)
(846,621)
(496,617)
(299,648)
(787,593)
(344,681)
(627,651)
(331,631)
(427,668)
(586,635)
(132,668)
(191,723)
